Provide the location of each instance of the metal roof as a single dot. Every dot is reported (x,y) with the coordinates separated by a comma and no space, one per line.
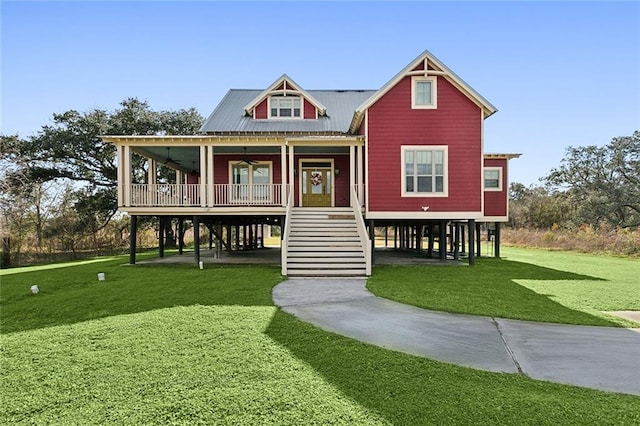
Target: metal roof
(229,115)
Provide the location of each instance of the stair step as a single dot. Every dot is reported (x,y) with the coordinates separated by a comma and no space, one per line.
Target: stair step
(327,272)
(325,244)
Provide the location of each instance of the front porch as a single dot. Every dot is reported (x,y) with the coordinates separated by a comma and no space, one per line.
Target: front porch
(208,174)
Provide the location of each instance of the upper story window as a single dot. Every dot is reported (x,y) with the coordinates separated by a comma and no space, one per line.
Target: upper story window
(424,92)
(493,178)
(285,107)
(424,171)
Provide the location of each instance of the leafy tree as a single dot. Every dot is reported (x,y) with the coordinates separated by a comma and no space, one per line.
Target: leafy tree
(71,149)
(603,182)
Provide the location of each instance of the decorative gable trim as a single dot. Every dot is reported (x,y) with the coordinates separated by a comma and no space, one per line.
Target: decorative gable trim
(425,65)
(284,86)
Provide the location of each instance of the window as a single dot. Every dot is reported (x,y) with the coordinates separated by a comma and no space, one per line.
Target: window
(423,92)
(424,171)
(286,107)
(251,183)
(493,178)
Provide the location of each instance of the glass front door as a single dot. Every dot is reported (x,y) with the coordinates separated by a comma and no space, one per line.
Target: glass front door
(317,185)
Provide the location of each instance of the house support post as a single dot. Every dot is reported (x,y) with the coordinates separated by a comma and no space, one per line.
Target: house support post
(196,238)
(133,238)
(161,226)
(463,239)
(472,257)
(497,239)
(210,228)
(456,241)
(442,240)
(430,240)
(478,239)
(419,238)
(180,235)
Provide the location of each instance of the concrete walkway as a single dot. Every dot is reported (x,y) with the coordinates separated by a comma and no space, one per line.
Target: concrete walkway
(597,357)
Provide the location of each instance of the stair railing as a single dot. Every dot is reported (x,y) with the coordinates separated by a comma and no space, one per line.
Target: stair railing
(285,235)
(362,229)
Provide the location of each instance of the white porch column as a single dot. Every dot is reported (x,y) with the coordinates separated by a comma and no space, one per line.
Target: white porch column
(120,150)
(126,170)
(352,171)
(210,181)
(203,176)
(283,175)
(291,167)
(152,173)
(360,176)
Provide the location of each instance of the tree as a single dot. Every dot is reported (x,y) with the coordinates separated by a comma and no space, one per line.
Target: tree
(71,149)
(603,182)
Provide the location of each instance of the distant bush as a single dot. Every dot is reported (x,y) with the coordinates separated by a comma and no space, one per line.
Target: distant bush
(586,239)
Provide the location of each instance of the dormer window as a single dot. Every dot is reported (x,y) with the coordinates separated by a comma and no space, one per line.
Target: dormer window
(285,107)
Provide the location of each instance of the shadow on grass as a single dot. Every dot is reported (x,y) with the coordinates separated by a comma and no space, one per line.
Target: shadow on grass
(74,294)
(405,389)
(489,288)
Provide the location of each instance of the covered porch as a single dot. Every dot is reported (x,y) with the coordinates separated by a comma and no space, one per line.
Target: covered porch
(232,174)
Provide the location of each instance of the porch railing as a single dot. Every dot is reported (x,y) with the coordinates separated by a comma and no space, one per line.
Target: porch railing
(190,195)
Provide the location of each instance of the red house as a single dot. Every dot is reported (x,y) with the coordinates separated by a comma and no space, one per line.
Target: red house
(329,166)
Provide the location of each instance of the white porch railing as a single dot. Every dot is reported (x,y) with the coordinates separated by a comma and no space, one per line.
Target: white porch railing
(247,195)
(362,229)
(190,195)
(165,195)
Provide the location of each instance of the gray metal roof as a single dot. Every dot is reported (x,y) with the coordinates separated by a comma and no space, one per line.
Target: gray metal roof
(229,115)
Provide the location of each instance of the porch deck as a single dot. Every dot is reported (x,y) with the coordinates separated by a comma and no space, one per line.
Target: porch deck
(271,256)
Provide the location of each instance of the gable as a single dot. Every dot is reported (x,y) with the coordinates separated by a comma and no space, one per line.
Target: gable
(429,68)
(270,102)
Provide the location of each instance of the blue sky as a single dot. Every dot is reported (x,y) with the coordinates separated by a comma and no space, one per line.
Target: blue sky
(560,73)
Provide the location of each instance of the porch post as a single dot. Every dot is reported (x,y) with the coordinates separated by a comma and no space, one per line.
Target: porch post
(121,178)
(472,257)
(133,238)
(291,167)
(203,176)
(360,176)
(352,170)
(456,241)
(497,239)
(126,162)
(152,176)
(210,177)
(283,175)
(196,238)
(372,237)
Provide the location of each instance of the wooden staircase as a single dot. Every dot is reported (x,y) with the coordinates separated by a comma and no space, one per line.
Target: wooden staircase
(324,241)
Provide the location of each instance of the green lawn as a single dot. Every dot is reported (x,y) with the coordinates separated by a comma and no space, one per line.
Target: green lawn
(525,284)
(167,344)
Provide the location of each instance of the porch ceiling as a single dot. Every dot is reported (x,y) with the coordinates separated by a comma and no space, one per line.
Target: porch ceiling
(188,157)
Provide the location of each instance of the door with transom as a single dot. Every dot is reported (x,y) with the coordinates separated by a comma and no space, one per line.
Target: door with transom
(317,184)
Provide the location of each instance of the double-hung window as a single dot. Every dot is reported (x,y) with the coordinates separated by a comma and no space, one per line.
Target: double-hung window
(424,92)
(493,178)
(424,171)
(286,107)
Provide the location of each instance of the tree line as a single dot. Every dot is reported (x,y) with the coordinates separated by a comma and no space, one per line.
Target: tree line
(58,188)
(597,186)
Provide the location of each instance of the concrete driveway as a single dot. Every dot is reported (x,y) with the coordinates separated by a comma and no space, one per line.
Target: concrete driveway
(597,357)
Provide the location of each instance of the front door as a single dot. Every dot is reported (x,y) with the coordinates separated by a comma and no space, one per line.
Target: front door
(317,185)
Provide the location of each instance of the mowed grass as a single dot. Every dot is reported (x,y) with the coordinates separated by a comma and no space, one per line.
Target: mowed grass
(533,285)
(179,345)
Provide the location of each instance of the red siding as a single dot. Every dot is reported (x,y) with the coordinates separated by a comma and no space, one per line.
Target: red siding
(261,110)
(456,123)
(495,202)
(309,110)
(221,166)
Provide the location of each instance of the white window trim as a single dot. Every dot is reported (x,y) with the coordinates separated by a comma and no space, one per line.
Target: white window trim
(445,183)
(434,92)
(271,117)
(499,170)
